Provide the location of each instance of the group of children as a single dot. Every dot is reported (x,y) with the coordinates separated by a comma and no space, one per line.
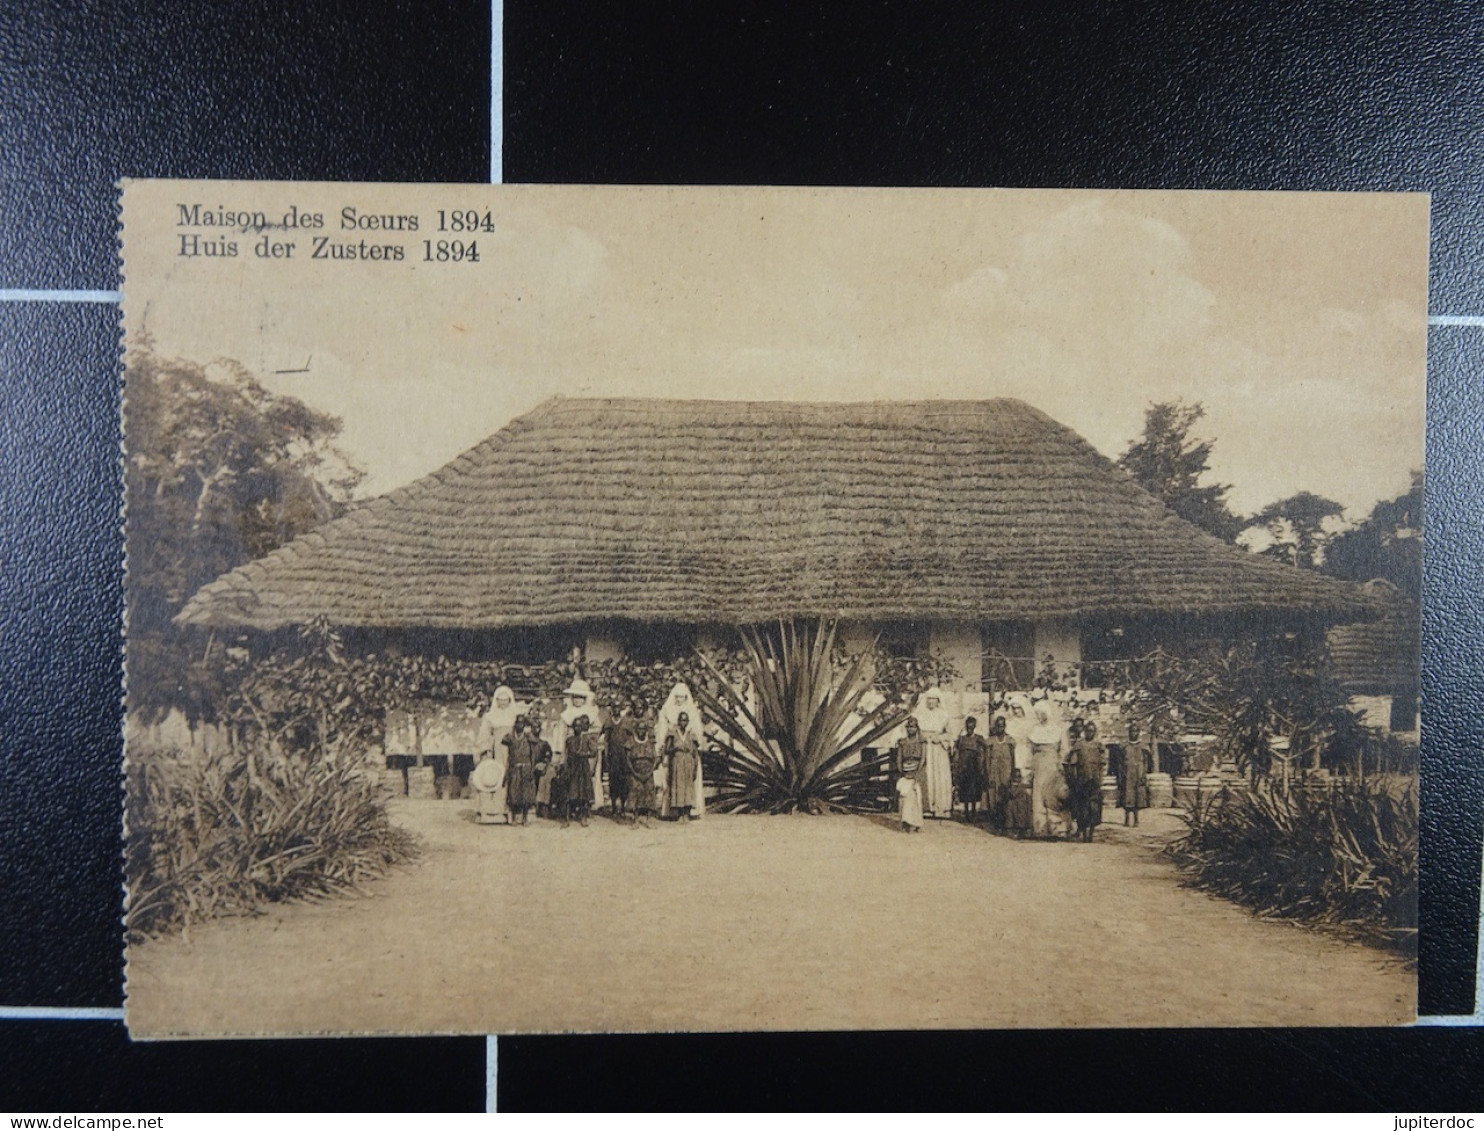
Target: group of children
(642,767)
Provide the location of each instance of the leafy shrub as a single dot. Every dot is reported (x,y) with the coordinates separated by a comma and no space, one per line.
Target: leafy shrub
(221,833)
(1342,854)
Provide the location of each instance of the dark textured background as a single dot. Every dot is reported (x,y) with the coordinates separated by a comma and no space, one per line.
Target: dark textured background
(1265,95)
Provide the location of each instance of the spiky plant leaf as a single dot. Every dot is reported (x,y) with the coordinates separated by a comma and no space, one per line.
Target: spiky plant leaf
(790,754)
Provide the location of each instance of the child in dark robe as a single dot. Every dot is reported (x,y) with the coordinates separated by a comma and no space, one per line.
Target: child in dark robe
(620,742)
(999,771)
(1086,763)
(1133,777)
(968,768)
(642,762)
(577,772)
(520,770)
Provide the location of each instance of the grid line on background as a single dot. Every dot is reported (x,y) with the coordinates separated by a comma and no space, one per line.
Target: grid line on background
(496,93)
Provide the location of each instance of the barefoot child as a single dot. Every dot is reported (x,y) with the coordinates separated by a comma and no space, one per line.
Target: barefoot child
(909,792)
(642,761)
(999,772)
(520,770)
(581,754)
(968,768)
(1086,763)
(911,765)
(1133,778)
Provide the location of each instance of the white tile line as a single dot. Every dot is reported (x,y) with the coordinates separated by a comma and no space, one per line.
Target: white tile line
(497,91)
(23,295)
(58,1013)
(491,1073)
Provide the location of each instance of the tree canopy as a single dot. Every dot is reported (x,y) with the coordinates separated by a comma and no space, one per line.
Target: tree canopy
(1297,527)
(1388,544)
(1169,463)
(219,470)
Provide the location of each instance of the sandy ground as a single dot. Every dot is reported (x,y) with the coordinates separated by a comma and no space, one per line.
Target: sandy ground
(758,923)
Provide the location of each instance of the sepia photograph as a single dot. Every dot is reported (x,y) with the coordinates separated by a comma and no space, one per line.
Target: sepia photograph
(632,609)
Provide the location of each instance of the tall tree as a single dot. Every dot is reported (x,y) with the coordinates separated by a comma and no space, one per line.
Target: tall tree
(1169,463)
(219,471)
(1297,527)
(1387,544)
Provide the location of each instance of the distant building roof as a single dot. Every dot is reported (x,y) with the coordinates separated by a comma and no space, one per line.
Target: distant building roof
(735,512)
(1381,656)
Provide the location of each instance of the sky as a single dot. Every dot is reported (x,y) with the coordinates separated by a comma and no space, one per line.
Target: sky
(1297,320)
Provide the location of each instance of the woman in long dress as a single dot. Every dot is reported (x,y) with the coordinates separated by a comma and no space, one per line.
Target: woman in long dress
(1048,784)
(934,724)
(682,755)
(679,703)
(494,727)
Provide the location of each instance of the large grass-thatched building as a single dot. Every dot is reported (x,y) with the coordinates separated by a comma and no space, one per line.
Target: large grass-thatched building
(976,528)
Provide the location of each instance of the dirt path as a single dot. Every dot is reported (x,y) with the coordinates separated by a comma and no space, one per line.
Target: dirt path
(754,923)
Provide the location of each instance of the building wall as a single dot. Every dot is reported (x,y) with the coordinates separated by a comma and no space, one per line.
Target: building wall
(855,635)
(602,648)
(1375,710)
(709,639)
(960,644)
(1388,712)
(1062,640)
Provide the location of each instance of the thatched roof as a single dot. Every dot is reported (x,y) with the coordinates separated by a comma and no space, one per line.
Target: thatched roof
(1382,656)
(732,512)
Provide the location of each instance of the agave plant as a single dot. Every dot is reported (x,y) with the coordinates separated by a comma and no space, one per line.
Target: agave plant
(792,749)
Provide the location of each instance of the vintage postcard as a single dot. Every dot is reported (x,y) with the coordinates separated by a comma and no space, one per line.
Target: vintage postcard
(569,608)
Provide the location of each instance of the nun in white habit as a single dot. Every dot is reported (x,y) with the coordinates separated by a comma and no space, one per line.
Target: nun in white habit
(680,702)
(494,727)
(936,725)
(1018,723)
